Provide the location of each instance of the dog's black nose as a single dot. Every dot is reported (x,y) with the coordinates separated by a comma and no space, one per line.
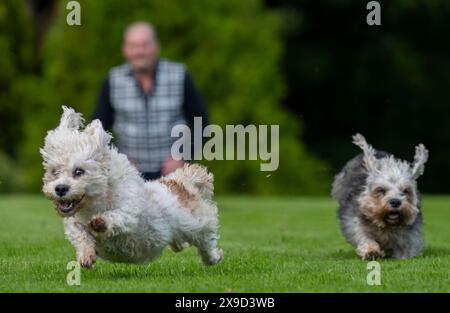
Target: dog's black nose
(395,203)
(61,190)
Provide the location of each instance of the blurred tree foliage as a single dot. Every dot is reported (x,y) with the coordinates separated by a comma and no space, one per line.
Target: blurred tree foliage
(389,82)
(231,47)
(15,61)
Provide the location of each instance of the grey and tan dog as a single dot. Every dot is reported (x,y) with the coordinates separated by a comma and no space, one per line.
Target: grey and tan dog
(380,211)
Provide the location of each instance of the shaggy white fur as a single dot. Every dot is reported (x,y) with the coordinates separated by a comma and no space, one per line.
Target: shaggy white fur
(111,212)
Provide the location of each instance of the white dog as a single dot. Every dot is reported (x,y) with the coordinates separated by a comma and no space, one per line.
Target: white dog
(111,212)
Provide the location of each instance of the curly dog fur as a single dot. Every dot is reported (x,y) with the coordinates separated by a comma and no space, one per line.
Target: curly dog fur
(380,209)
(109,210)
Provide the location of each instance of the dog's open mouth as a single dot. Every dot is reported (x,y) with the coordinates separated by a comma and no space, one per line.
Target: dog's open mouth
(393,217)
(67,207)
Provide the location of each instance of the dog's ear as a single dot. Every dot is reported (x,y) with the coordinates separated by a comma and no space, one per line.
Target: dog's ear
(96,131)
(370,160)
(45,156)
(420,158)
(70,119)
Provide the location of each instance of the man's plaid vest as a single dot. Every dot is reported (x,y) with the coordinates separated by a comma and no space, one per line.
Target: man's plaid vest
(143,123)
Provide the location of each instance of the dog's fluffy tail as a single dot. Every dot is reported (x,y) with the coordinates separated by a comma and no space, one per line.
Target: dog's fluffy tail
(195,178)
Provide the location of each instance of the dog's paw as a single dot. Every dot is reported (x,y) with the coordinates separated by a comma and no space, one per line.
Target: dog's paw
(98,224)
(373,254)
(87,258)
(214,257)
(370,251)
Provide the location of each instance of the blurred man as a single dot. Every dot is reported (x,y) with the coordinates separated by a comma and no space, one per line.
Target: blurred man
(144,98)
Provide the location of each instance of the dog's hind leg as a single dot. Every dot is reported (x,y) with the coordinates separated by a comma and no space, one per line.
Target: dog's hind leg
(206,244)
(179,246)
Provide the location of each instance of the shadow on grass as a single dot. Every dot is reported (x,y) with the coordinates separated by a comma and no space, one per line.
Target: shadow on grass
(343,255)
(132,271)
(158,269)
(351,254)
(436,251)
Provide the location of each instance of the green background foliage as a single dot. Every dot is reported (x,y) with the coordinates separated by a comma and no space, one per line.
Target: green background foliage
(313,67)
(232,48)
(15,60)
(389,82)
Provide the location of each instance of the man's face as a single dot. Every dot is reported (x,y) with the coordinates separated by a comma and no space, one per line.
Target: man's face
(140,49)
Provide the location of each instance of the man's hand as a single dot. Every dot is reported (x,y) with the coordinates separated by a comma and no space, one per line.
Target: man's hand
(170,165)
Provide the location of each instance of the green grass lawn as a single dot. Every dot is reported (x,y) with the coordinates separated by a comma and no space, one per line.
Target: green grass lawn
(270,244)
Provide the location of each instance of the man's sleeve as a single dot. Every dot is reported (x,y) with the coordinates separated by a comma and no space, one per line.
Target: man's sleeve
(103,109)
(194,106)
(193,102)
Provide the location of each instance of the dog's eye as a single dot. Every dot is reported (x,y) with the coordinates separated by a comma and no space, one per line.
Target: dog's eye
(407,191)
(78,172)
(380,191)
(55,172)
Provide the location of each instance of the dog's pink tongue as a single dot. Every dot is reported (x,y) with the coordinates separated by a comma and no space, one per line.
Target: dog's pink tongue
(63,205)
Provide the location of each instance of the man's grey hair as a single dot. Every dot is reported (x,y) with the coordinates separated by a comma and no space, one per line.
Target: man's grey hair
(142,25)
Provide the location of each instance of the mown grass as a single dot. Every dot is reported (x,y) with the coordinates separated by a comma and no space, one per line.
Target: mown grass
(270,244)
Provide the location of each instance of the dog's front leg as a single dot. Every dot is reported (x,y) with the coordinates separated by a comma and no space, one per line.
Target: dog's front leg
(409,245)
(369,249)
(360,238)
(113,222)
(83,242)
